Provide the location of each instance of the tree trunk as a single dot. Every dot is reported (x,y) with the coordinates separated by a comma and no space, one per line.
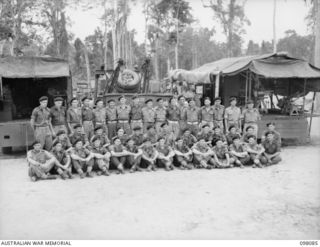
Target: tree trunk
(176,48)
(274,26)
(317,34)
(86,57)
(156,62)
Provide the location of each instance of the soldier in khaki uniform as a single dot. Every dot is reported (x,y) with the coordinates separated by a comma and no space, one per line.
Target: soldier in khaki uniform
(183,108)
(160,114)
(101,157)
(82,159)
(183,155)
(148,115)
(218,110)
(165,155)
(192,116)
(239,152)
(111,115)
(58,115)
(203,155)
(136,113)
(40,163)
(207,113)
(87,117)
(73,115)
(232,115)
(41,124)
(123,115)
(173,116)
(250,117)
(100,115)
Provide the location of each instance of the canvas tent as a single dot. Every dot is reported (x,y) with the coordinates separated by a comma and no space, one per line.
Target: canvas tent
(275,65)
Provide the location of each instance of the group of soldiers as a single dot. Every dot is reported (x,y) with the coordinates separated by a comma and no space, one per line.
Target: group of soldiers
(176,134)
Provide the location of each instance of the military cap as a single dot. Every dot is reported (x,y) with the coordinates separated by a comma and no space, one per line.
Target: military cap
(150,127)
(191,99)
(77,126)
(181,96)
(76,141)
(136,128)
(249,102)
(235,137)
(130,139)
(179,139)
(171,99)
(122,96)
(111,100)
(60,132)
(146,140)
(55,143)
(251,136)
(148,100)
(186,129)
(73,99)
(159,99)
(216,127)
(120,128)
(217,98)
(42,98)
(205,125)
(269,132)
(160,138)
(249,127)
(36,142)
(85,98)
(271,123)
(58,99)
(135,96)
(163,124)
(216,140)
(115,138)
(98,100)
(95,138)
(207,98)
(231,126)
(232,99)
(97,128)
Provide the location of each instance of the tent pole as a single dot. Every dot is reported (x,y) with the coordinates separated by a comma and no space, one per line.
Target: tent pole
(217,85)
(246,91)
(304,94)
(250,85)
(312,109)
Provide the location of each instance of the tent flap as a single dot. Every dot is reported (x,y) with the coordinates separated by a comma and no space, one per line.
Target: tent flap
(33,67)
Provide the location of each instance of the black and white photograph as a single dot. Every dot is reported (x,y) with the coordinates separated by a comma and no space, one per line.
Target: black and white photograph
(159,120)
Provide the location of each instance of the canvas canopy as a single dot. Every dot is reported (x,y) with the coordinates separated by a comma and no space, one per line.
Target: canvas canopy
(33,67)
(277,65)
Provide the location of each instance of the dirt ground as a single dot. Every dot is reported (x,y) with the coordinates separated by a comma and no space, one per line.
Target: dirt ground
(279,202)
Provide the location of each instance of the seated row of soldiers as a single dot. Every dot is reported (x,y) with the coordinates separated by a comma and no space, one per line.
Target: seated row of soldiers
(151,150)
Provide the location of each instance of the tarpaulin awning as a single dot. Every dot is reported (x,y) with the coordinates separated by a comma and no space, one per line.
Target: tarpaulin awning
(277,65)
(33,67)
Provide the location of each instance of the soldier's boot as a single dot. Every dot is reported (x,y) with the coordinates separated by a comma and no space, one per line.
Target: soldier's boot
(33,178)
(120,169)
(81,173)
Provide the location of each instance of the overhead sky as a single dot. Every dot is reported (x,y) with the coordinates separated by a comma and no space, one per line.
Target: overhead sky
(290,15)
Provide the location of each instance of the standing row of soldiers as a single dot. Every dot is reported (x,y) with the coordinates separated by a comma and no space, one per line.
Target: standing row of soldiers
(180,135)
(179,114)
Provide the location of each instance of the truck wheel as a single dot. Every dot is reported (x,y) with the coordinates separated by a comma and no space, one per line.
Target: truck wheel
(7,150)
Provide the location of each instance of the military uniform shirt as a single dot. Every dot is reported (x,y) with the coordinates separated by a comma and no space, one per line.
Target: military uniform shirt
(218,112)
(239,149)
(98,150)
(207,114)
(123,112)
(251,116)
(40,156)
(87,113)
(148,115)
(58,116)
(192,114)
(59,155)
(82,152)
(221,151)
(189,140)
(111,114)
(74,116)
(271,147)
(100,115)
(41,116)
(173,113)
(136,112)
(160,114)
(232,114)
(164,150)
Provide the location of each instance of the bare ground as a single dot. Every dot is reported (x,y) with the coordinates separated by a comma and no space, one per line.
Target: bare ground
(279,202)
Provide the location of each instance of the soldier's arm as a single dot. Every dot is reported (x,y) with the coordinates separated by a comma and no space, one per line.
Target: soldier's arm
(33,117)
(31,160)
